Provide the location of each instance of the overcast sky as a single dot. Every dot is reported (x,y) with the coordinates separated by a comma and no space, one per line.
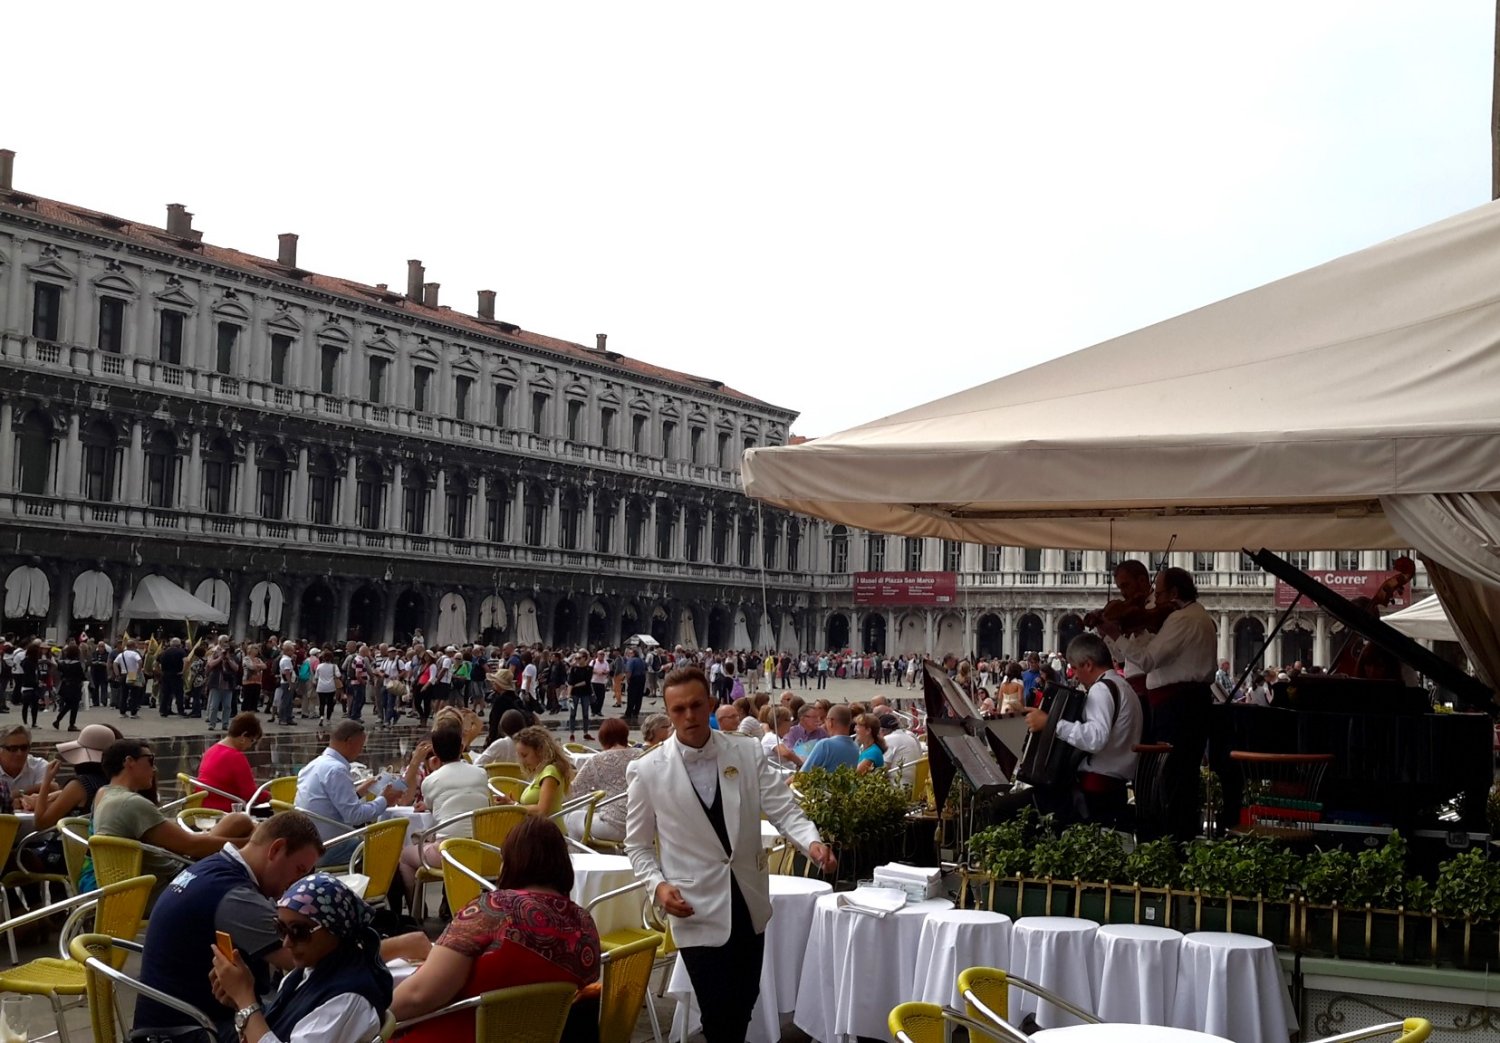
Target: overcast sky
(843,208)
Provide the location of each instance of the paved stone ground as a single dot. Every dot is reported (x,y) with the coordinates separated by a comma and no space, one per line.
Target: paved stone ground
(179,744)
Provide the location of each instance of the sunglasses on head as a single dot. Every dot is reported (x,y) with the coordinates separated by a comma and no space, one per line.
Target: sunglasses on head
(296,932)
(24,747)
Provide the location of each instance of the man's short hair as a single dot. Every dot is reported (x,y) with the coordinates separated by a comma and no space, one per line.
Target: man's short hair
(244,725)
(840,716)
(448,744)
(686,675)
(346,730)
(1090,648)
(1132,567)
(807,708)
(298,830)
(511,722)
(19,729)
(119,752)
(1181,581)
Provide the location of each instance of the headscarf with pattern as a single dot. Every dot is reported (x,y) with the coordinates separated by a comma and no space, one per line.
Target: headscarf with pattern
(326,901)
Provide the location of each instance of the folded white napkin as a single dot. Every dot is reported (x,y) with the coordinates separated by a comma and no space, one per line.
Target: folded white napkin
(873,901)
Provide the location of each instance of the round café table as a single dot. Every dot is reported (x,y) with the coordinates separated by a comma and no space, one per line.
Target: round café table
(953,941)
(417,820)
(1053,952)
(1231,984)
(1134,973)
(1118,1033)
(858,967)
(792,901)
(594,875)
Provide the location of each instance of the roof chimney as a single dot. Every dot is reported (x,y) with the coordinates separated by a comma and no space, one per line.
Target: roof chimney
(599,339)
(415,273)
(487,305)
(179,221)
(7,167)
(286,251)
(430,294)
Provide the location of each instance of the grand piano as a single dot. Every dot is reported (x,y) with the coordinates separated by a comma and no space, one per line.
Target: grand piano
(1395,762)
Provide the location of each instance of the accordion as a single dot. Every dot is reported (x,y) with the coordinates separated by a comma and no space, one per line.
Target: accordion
(1045,759)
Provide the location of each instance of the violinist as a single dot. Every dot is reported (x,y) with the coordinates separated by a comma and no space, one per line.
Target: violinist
(1179,662)
(1122,623)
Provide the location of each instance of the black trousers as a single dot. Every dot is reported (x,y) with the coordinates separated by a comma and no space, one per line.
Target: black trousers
(1182,719)
(635,692)
(726,978)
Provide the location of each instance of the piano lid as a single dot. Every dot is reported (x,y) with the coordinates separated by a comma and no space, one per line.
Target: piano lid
(1469,692)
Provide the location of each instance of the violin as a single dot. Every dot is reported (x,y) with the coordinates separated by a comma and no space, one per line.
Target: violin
(1130,615)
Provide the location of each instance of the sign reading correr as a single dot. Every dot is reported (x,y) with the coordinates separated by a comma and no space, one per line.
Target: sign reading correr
(906,588)
(1350,583)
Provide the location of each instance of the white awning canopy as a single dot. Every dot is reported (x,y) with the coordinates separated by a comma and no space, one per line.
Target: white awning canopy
(27,592)
(157,597)
(1278,418)
(93,596)
(1424,620)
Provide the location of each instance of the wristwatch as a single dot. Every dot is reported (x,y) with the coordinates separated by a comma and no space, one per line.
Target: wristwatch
(242,1017)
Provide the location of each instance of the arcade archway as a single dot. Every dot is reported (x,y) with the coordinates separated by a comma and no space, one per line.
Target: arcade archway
(990,637)
(837,632)
(1029,634)
(872,633)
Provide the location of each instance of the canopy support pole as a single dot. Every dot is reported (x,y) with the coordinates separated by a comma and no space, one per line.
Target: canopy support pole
(1261,654)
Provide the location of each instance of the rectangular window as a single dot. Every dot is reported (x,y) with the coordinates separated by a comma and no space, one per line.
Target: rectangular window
(461,390)
(281,352)
(607,428)
(638,434)
(695,444)
(914,554)
(1299,559)
(494,515)
(502,405)
(994,558)
(368,503)
(457,514)
(378,367)
(538,412)
(216,486)
(98,472)
(320,499)
(1031,559)
(575,421)
(170,348)
(229,335)
(420,384)
(329,375)
(1247,563)
(875,553)
(111,324)
(668,439)
(272,493)
(953,556)
(1072,561)
(46,311)
(723,455)
(794,548)
(1346,560)
(1203,561)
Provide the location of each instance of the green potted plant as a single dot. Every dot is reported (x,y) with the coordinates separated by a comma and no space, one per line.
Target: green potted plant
(1467,897)
(861,816)
(1080,864)
(1000,860)
(1153,869)
(1241,884)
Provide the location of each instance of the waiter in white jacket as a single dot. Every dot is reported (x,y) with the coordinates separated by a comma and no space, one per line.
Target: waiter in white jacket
(693,835)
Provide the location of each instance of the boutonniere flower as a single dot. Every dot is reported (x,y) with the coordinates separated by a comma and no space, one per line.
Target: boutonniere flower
(731,771)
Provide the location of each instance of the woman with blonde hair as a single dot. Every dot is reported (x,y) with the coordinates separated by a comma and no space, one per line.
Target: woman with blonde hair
(550,768)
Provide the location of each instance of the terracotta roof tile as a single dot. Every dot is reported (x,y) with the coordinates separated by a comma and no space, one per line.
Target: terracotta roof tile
(149,235)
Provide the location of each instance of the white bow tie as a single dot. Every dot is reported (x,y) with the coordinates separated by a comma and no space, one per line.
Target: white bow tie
(706,752)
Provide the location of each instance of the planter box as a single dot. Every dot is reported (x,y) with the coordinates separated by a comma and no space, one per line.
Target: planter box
(1262,917)
(1387,935)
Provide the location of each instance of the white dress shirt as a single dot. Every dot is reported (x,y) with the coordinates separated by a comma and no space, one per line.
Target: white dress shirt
(1109,737)
(325,788)
(1128,648)
(1186,649)
(703,770)
(345,1016)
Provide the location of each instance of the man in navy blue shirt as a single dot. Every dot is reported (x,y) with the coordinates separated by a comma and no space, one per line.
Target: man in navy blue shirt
(1029,677)
(635,683)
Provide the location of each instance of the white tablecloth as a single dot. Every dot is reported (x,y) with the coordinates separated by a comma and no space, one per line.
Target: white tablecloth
(769,835)
(1134,973)
(593,875)
(792,901)
(857,968)
(1231,985)
(419,820)
(953,941)
(1053,952)
(1124,1034)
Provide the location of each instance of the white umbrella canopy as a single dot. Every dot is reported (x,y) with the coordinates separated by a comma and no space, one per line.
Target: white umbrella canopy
(157,597)
(645,640)
(1424,620)
(1277,418)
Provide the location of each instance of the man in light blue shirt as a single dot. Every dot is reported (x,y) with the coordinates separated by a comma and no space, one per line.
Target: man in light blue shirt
(823,671)
(836,750)
(325,788)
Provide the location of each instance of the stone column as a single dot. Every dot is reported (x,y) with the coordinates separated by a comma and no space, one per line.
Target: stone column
(479,508)
(135,460)
(1049,633)
(1320,642)
(553,519)
(15,316)
(679,533)
(7,445)
(200,346)
(590,522)
(395,508)
(248,506)
(291,610)
(299,487)
(192,483)
(72,468)
(388,615)
(517,527)
(1225,639)
(349,494)
(927,630)
(616,544)
(78,331)
(343,596)
(437,505)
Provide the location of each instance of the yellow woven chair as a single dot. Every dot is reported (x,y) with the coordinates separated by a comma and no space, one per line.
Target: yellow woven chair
(117,910)
(469,867)
(1412,1030)
(524,1014)
(101,957)
(10,825)
(928,1023)
(487,825)
(282,788)
(378,856)
(200,820)
(985,991)
(507,786)
(651,927)
(578,747)
(505,770)
(607,847)
(116,858)
(921,783)
(75,837)
(626,978)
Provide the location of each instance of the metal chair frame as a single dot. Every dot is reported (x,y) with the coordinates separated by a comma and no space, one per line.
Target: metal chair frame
(81,951)
(1413,1030)
(475,1002)
(1036,990)
(235,803)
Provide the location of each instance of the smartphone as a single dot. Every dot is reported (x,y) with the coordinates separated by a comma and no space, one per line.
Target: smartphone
(226,944)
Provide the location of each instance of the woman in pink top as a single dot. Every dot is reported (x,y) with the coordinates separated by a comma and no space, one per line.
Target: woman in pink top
(225,766)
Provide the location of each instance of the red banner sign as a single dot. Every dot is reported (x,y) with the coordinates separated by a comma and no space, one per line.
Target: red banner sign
(1350,584)
(906,588)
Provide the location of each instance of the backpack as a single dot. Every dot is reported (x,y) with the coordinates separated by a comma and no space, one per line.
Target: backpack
(304,670)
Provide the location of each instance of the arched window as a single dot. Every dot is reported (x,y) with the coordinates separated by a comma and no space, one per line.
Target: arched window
(99,469)
(322,479)
(371,496)
(161,469)
(218,477)
(34,454)
(415,492)
(273,483)
(838,550)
